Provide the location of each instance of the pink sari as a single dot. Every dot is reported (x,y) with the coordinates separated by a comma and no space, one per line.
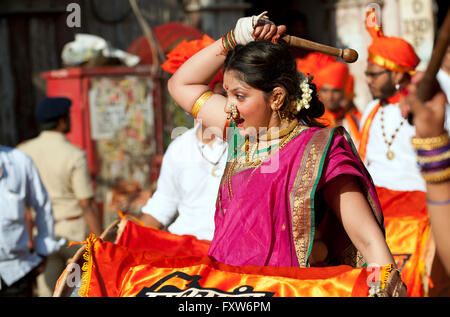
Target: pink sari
(275,219)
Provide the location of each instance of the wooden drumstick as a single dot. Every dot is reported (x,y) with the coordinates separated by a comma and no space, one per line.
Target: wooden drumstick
(347,54)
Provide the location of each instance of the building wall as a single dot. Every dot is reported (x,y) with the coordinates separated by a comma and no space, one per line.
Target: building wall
(32,35)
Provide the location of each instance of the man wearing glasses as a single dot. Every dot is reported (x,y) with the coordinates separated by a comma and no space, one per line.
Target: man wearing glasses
(389,156)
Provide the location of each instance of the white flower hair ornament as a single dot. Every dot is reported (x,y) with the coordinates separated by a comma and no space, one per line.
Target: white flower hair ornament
(306,95)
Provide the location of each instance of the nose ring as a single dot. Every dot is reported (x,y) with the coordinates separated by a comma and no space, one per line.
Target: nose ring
(234,112)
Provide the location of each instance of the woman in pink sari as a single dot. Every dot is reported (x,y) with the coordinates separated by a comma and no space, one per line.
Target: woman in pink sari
(293,194)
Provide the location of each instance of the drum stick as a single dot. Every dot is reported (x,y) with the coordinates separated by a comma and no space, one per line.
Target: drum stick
(347,54)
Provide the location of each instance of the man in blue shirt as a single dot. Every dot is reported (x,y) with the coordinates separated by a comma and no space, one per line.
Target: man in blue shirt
(21,186)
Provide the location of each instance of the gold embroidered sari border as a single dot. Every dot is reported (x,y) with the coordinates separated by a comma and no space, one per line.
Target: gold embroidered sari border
(302,194)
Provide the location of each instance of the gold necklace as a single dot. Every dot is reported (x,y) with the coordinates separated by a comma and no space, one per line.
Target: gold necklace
(389,154)
(246,152)
(281,133)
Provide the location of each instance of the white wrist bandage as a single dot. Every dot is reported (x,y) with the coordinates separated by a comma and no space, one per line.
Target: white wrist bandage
(243,31)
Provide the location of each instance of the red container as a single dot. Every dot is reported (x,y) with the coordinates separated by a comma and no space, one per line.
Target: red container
(113,107)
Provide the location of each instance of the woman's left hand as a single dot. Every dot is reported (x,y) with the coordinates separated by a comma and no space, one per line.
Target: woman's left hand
(267,30)
(429,117)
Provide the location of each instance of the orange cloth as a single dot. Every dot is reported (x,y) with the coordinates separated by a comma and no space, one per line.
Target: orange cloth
(407,227)
(335,75)
(365,130)
(389,52)
(313,62)
(330,119)
(185,50)
(349,89)
(143,273)
(356,114)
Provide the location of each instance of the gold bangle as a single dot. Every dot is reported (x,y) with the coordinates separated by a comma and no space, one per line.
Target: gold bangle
(390,283)
(437,177)
(430,143)
(432,159)
(200,101)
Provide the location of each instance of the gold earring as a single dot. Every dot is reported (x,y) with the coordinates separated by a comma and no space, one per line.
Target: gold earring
(278,113)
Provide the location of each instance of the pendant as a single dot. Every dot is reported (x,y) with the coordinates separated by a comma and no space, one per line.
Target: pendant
(215,171)
(390,155)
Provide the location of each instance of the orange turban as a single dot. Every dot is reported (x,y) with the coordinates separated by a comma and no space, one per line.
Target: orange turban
(185,50)
(389,52)
(334,75)
(313,62)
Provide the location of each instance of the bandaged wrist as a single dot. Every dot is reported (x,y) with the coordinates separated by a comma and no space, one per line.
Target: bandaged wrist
(243,31)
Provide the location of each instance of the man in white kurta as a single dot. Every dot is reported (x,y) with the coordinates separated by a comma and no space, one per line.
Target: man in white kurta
(188,184)
(391,160)
(402,172)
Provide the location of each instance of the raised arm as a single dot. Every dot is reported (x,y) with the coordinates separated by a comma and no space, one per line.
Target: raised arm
(191,80)
(432,143)
(189,83)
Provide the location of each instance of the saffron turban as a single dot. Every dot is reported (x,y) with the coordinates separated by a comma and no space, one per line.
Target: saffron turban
(313,62)
(185,50)
(334,75)
(389,52)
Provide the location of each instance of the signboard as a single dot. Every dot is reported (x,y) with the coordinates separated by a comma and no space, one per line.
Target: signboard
(417,27)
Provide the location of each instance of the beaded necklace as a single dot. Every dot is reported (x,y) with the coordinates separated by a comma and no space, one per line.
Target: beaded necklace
(389,154)
(289,133)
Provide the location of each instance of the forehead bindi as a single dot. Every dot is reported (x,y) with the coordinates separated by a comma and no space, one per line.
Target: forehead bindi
(234,85)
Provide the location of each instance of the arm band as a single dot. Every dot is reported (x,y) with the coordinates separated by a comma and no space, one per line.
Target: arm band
(200,101)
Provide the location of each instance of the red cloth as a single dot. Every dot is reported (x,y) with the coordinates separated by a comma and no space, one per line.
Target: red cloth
(117,270)
(168,35)
(161,242)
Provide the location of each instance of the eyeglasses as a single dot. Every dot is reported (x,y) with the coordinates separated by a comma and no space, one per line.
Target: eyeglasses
(376,74)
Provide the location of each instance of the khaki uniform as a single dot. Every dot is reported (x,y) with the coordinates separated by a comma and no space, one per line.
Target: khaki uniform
(65,174)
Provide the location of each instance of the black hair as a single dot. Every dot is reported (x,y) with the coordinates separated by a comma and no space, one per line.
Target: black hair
(51,124)
(264,65)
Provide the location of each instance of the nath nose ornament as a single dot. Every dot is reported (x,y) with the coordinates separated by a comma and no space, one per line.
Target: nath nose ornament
(234,112)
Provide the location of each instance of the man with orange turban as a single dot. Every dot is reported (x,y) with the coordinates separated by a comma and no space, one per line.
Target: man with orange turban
(389,156)
(331,82)
(385,134)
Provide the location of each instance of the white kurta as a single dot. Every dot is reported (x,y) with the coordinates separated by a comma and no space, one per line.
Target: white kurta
(187,186)
(401,173)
